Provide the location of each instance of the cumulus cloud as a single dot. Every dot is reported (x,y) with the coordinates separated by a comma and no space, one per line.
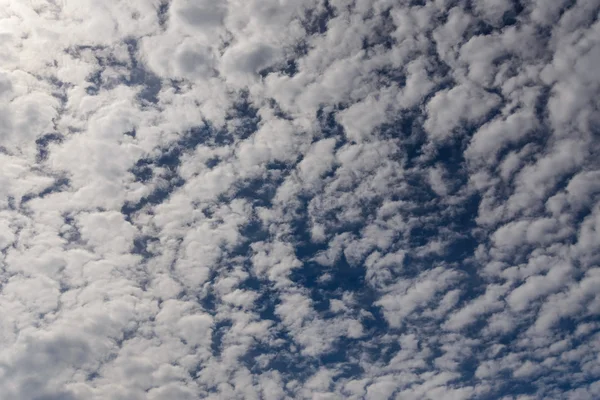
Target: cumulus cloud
(317,199)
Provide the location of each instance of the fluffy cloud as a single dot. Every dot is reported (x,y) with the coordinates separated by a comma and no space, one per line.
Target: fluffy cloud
(299,199)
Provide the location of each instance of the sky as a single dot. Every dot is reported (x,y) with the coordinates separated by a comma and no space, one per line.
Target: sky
(299,199)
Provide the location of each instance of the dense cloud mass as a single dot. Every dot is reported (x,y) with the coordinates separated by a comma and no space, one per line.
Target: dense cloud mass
(316,199)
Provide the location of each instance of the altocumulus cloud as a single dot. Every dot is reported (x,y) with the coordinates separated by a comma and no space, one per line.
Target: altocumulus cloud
(319,199)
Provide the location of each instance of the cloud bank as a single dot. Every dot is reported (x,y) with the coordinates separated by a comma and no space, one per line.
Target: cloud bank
(320,199)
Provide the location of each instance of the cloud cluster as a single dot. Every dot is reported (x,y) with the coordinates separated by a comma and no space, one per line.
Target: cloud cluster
(278,199)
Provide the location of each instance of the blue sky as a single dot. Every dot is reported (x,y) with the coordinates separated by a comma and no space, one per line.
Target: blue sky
(274,199)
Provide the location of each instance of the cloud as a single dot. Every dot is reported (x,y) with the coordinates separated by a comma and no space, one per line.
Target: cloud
(299,199)
(459,106)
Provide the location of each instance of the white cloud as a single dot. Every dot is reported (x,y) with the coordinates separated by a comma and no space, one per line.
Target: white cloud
(449,109)
(299,199)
